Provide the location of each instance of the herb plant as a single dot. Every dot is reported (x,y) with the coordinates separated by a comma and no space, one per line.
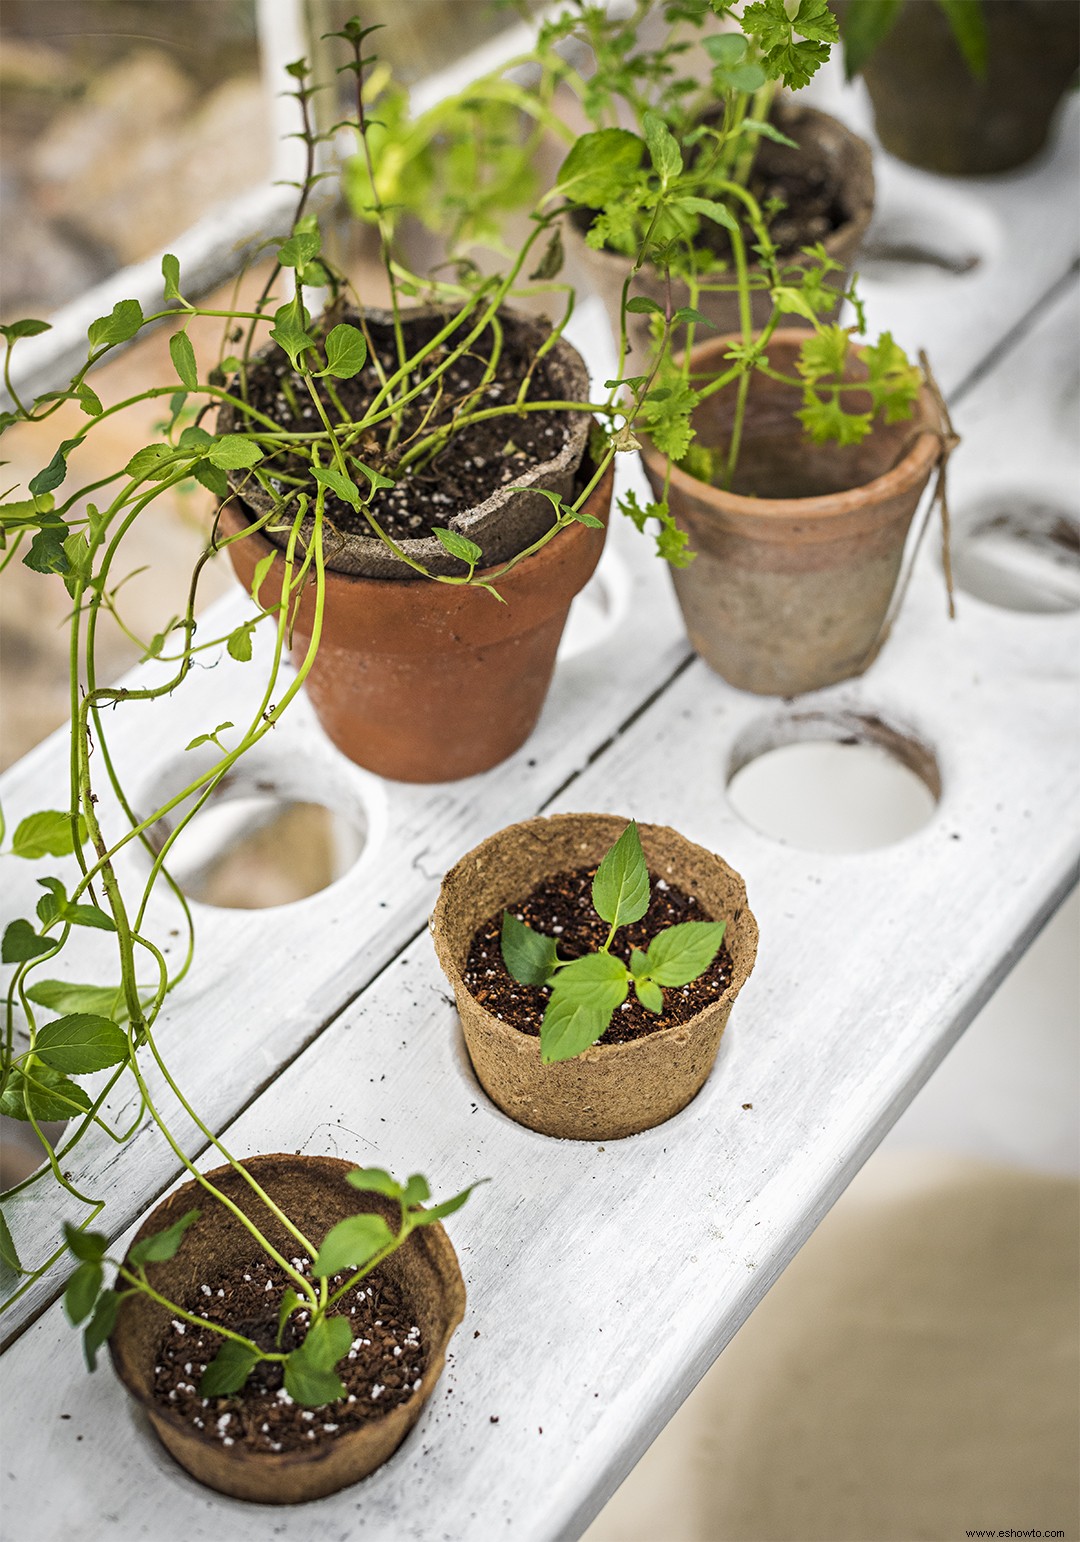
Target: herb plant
(587,990)
(354,1247)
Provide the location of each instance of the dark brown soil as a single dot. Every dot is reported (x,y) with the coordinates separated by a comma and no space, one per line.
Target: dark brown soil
(383,1368)
(561,907)
(474,464)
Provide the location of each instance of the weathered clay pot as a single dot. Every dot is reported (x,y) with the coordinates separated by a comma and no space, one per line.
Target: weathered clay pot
(611,1090)
(795,567)
(930,110)
(506,522)
(312,1191)
(845,157)
(429,682)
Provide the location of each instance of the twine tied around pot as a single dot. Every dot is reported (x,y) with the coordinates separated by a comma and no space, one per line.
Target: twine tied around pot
(948,440)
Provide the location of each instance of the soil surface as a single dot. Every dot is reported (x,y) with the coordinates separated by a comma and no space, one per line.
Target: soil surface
(561,907)
(473,465)
(382,1370)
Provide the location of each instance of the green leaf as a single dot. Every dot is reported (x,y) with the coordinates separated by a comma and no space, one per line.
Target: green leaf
(352,1243)
(824,353)
(968,26)
(551,263)
(681,953)
(210,738)
(417,1191)
(376,478)
(100,1000)
(599,166)
(170,272)
(152,463)
(81,1043)
(21,942)
(586,992)
(663,148)
(345,489)
(641,305)
(239,643)
(726,48)
(290,331)
(163,1245)
(234,453)
(346,352)
(89,1246)
(262,567)
(28,327)
(123,323)
(457,545)
(717,212)
(50,1095)
(100,1326)
(529,956)
(210,477)
(89,400)
(650,996)
(447,1207)
(777,34)
(82,1292)
(768,131)
(228,1370)
(865,23)
(9,1253)
(620,890)
(183,356)
(47,554)
(53,474)
(47,834)
(375,1180)
(299,249)
(309,1377)
(289,1302)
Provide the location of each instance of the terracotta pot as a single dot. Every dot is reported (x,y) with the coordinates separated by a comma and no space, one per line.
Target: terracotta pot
(506,522)
(313,1193)
(429,682)
(796,567)
(844,156)
(931,111)
(611,1090)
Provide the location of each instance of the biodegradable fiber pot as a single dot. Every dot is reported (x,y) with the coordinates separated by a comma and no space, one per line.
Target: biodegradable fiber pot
(428,682)
(932,111)
(840,157)
(611,1090)
(796,567)
(313,1192)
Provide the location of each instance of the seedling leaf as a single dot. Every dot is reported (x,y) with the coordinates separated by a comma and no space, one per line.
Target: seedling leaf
(681,953)
(81,1043)
(228,1370)
(163,1245)
(352,1243)
(620,890)
(529,956)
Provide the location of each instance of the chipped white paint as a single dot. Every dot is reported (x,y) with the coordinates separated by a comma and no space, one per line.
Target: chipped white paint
(870,967)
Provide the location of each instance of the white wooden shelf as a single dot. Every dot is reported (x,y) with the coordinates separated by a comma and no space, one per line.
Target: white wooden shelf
(603,1281)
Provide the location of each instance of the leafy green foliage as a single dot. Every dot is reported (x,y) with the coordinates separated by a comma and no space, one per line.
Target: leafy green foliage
(597,168)
(100,1326)
(82,1291)
(42,1092)
(793,47)
(119,327)
(352,1243)
(21,943)
(458,545)
(228,1370)
(588,989)
(346,352)
(309,1370)
(61,996)
(50,833)
(183,357)
(164,1244)
(81,1043)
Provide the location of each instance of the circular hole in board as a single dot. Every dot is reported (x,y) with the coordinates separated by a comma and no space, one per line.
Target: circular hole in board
(259,840)
(1019,552)
(841,782)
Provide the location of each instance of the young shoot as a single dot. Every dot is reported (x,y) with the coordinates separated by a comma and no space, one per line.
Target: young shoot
(587,990)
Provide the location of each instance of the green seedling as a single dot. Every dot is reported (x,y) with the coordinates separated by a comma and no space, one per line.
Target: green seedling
(587,990)
(354,1247)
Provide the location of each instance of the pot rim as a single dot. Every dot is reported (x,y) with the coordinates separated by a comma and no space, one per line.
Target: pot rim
(528,1043)
(555,549)
(915,466)
(282,1460)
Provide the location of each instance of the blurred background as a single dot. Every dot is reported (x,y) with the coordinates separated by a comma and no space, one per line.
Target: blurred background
(862,1401)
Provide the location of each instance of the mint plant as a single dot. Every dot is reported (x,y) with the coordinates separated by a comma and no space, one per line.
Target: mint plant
(354,1247)
(588,989)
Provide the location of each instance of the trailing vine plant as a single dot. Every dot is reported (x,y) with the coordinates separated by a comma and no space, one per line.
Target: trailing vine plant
(77,532)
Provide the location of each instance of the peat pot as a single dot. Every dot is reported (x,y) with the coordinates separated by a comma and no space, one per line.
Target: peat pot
(610,1090)
(313,1192)
(932,111)
(837,156)
(797,565)
(430,682)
